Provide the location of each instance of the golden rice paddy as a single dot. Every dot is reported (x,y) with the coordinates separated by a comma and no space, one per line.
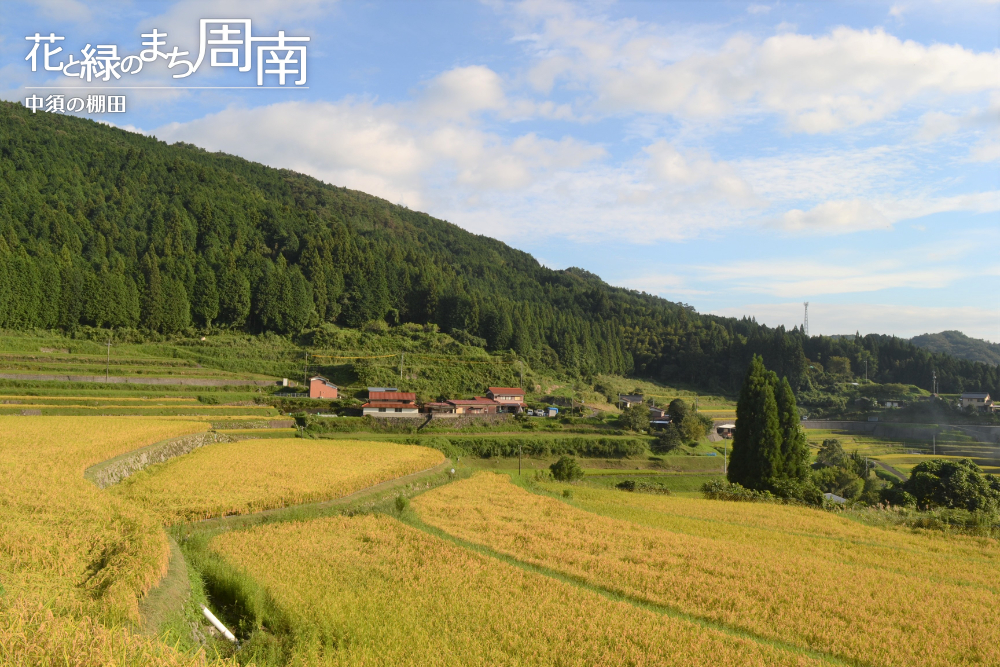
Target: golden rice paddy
(869,598)
(254,475)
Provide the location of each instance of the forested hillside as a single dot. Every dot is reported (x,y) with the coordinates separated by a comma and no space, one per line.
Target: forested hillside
(107,228)
(957,344)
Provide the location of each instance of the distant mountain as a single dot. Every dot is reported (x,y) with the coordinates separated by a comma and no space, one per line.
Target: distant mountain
(957,344)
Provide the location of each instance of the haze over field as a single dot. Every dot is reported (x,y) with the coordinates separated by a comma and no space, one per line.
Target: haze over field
(741,157)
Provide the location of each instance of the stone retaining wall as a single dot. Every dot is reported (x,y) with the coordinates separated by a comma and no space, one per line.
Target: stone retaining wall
(114,470)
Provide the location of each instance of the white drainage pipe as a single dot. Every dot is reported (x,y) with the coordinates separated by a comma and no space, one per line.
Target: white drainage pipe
(218,624)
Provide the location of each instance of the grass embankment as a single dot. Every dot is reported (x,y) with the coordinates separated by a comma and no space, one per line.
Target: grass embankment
(254,475)
(74,561)
(791,574)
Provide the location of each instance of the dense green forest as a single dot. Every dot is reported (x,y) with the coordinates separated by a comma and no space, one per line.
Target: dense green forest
(103,227)
(957,344)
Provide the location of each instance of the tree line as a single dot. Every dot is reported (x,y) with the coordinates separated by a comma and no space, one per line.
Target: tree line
(106,228)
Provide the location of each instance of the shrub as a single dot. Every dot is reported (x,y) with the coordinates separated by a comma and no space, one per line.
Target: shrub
(487,447)
(952,485)
(720,489)
(667,441)
(566,469)
(376,327)
(635,417)
(643,486)
(402,502)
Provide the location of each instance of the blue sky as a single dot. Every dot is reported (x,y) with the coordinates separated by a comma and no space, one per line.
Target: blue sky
(739,157)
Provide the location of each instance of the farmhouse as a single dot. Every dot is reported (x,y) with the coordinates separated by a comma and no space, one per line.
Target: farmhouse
(628,400)
(725,430)
(977,399)
(320,387)
(657,413)
(510,399)
(480,405)
(390,404)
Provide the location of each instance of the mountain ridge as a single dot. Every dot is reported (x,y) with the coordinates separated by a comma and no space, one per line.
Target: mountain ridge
(104,227)
(957,344)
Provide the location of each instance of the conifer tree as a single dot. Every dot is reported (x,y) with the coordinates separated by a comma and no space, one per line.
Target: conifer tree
(152,300)
(794,450)
(205,299)
(234,295)
(756,456)
(176,308)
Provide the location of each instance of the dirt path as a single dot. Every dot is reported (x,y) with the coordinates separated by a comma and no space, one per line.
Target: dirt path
(892,471)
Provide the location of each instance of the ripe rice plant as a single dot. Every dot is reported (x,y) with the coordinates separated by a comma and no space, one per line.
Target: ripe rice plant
(74,560)
(866,595)
(371,590)
(254,475)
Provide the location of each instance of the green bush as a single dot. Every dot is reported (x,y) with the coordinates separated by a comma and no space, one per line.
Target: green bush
(720,489)
(667,441)
(566,469)
(402,502)
(643,486)
(486,447)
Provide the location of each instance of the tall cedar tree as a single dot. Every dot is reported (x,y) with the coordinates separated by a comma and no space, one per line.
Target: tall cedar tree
(794,450)
(756,457)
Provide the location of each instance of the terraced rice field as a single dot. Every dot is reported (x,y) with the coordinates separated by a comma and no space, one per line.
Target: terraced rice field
(74,560)
(254,475)
(796,575)
(370,590)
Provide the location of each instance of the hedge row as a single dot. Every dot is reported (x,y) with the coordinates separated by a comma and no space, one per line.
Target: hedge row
(485,447)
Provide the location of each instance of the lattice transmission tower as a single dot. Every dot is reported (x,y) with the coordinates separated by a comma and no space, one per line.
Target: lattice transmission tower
(805,321)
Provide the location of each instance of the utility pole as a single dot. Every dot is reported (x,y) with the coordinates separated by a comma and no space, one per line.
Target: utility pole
(934,444)
(401,365)
(725,457)
(805,320)
(521,364)
(107,369)
(519,459)
(866,370)
(305,372)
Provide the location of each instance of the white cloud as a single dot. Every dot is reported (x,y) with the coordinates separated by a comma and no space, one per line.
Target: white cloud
(380,149)
(758,9)
(464,90)
(797,278)
(891,319)
(818,83)
(833,217)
